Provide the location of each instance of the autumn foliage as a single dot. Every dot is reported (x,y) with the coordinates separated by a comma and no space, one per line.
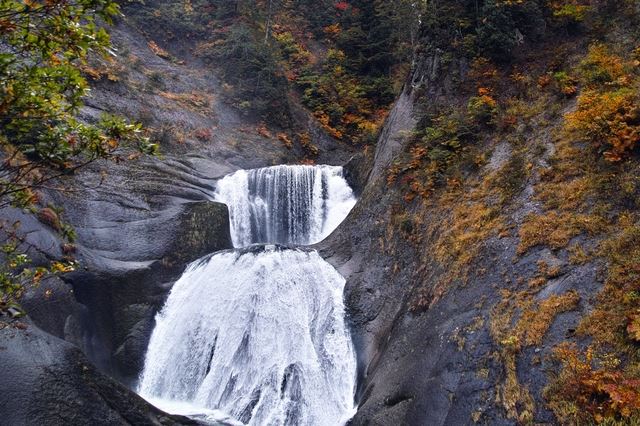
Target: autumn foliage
(610,120)
(589,387)
(608,110)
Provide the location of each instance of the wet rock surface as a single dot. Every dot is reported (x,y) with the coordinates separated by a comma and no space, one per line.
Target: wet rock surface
(46,380)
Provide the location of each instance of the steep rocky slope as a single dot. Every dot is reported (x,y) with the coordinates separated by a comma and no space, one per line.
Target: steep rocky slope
(497,296)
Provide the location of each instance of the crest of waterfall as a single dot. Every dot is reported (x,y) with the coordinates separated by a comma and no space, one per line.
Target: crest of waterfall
(258,334)
(285,204)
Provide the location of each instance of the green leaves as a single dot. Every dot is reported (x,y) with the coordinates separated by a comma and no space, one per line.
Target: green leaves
(41,86)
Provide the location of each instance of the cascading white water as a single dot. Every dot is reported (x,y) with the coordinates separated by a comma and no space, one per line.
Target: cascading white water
(285,204)
(257,335)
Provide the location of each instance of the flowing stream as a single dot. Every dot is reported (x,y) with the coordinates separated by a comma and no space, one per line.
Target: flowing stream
(257,335)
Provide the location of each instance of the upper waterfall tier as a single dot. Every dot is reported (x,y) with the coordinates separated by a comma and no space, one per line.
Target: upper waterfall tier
(285,204)
(258,334)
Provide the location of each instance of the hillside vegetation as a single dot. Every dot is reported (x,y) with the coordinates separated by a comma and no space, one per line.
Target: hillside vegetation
(344,61)
(527,139)
(537,140)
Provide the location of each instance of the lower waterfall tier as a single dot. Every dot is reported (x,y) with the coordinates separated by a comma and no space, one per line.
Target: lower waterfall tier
(258,334)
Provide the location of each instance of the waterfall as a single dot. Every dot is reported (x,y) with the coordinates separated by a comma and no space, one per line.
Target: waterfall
(285,204)
(257,335)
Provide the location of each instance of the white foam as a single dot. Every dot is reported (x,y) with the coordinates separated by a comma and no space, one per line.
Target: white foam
(285,204)
(259,336)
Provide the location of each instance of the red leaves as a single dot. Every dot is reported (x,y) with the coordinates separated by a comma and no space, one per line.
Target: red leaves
(342,6)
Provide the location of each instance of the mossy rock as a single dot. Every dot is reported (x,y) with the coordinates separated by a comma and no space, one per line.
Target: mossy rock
(203,229)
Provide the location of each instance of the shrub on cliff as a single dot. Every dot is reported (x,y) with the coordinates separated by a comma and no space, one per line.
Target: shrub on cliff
(607,114)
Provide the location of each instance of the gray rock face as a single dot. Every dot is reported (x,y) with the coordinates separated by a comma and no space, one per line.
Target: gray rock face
(48,381)
(437,365)
(107,308)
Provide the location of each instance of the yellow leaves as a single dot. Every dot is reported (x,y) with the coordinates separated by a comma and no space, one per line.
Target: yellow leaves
(554,229)
(535,322)
(574,10)
(59,267)
(193,101)
(602,67)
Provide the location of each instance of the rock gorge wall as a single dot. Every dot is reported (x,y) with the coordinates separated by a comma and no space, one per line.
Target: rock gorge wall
(427,324)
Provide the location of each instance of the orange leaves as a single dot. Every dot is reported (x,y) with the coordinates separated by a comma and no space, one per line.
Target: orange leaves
(484,70)
(324,120)
(7,26)
(285,140)
(608,111)
(599,386)
(307,144)
(483,91)
(485,94)
(333,30)
(483,108)
(417,154)
(263,131)
(610,120)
